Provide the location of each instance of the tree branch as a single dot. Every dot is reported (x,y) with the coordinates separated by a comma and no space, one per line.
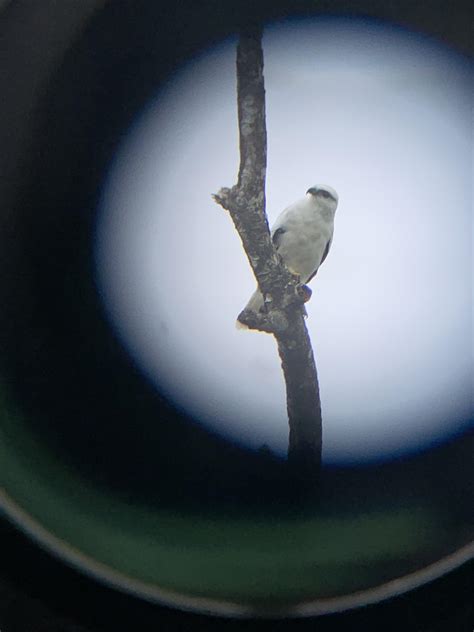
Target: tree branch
(284,314)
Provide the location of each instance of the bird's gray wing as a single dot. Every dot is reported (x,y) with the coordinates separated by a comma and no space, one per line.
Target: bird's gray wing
(276,236)
(325,254)
(326,251)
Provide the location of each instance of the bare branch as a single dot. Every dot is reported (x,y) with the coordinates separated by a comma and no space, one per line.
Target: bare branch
(284,296)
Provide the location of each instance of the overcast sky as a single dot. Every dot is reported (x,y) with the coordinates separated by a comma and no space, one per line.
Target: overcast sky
(385,117)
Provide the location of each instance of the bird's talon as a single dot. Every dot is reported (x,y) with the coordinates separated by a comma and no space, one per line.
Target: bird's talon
(304,292)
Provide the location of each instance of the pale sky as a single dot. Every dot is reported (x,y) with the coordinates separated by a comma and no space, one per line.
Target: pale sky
(385,117)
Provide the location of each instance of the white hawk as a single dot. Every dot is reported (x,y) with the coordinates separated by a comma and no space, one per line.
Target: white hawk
(302,235)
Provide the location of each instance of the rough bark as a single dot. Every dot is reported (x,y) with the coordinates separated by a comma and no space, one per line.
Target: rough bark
(284,297)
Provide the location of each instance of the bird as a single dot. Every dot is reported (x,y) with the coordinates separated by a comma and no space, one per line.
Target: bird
(302,235)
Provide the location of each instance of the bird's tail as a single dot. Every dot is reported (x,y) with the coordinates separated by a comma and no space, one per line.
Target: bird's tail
(254,305)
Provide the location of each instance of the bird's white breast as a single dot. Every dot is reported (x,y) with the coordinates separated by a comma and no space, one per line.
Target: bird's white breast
(307,230)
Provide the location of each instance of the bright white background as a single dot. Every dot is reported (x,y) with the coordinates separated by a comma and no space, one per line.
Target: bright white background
(385,117)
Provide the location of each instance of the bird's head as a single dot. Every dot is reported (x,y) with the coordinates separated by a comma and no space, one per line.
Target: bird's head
(324,195)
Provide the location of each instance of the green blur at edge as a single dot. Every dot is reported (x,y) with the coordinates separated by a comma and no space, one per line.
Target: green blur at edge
(254,563)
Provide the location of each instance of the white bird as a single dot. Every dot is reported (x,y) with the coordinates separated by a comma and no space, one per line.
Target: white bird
(302,235)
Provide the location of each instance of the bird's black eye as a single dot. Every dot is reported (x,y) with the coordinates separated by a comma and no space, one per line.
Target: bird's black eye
(325,194)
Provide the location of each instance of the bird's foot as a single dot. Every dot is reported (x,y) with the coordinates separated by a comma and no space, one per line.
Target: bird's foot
(304,292)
